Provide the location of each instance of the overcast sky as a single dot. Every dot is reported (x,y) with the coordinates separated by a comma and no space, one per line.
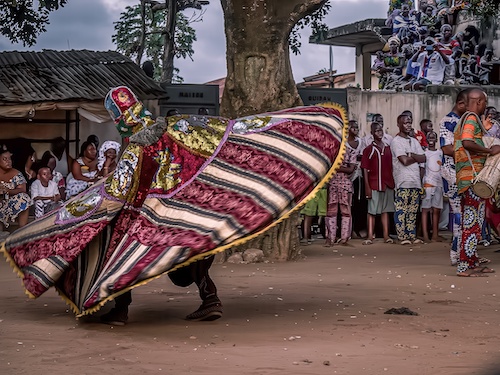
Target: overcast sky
(88,24)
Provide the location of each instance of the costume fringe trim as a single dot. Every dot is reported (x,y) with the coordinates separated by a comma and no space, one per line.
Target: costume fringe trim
(15,269)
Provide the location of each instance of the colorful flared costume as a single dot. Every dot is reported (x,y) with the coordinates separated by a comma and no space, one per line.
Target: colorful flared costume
(186,187)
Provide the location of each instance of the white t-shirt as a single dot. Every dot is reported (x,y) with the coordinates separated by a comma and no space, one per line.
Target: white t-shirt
(406,176)
(431,67)
(38,190)
(433,163)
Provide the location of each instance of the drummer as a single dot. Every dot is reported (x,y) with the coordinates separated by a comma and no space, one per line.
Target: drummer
(469,160)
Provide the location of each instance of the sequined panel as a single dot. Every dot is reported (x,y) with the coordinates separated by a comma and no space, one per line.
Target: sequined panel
(167,176)
(81,205)
(123,183)
(200,134)
(252,123)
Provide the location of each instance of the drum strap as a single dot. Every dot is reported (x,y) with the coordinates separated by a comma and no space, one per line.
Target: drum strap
(472,165)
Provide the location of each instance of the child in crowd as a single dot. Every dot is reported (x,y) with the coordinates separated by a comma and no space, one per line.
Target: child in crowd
(379,183)
(421,135)
(316,207)
(340,191)
(433,185)
(49,160)
(44,192)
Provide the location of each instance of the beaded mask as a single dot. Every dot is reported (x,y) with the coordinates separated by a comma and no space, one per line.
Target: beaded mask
(128,113)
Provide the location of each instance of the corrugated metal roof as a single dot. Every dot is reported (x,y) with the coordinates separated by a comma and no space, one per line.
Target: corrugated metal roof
(31,77)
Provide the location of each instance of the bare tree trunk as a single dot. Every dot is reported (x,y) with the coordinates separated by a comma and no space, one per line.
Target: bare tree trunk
(259,75)
(168,51)
(259,79)
(142,44)
(280,243)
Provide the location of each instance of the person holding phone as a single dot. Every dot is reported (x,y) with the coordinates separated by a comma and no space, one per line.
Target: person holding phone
(432,62)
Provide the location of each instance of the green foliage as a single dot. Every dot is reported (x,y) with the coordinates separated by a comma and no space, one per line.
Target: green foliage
(484,8)
(128,37)
(314,21)
(22,22)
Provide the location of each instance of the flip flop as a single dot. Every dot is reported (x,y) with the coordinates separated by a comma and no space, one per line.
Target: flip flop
(389,240)
(473,273)
(485,270)
(367,242)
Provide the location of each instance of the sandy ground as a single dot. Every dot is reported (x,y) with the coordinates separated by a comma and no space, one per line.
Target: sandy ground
(323,314)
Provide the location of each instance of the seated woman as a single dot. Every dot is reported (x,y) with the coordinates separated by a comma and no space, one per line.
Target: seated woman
(83,170)
(394,61)
(14,201)
(108,155)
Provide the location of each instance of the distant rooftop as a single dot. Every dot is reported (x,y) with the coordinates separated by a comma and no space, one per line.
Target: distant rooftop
(371,34)
(34,77)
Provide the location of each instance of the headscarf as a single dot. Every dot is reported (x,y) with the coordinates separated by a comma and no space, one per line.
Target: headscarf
(105,147)
(394,39)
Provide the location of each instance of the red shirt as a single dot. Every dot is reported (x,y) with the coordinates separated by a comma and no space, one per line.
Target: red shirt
(379,167)
(421,138)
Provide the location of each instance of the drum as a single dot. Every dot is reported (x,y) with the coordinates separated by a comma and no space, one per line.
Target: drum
(486,182)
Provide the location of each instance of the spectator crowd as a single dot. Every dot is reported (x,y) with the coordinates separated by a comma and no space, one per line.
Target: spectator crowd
(412,183)
(426,48)
(38,186)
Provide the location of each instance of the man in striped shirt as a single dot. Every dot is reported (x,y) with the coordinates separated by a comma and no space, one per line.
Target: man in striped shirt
(470,156)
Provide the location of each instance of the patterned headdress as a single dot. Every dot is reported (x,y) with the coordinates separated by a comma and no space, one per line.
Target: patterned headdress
(128,113)
(102,150)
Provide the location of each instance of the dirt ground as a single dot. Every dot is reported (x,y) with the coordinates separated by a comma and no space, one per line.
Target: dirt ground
(323,314)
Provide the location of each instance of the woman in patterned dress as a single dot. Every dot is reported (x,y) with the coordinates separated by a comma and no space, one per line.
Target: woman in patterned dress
(14,201)
(83,170)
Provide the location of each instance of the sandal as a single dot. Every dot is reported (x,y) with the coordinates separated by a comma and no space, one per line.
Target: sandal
(406,242)
(389,240)
(472,273)
(417,241)
(367,242)
(485,270)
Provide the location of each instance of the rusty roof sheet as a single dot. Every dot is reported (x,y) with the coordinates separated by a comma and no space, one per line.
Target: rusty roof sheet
(31,77)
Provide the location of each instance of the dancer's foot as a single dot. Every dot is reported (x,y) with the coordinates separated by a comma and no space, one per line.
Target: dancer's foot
(117,316)
(206,313)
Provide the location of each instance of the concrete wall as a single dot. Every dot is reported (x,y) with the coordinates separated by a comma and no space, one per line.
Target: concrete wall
(433,105)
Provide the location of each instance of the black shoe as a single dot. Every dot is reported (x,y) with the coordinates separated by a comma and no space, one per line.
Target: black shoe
(206,313)
(115,317)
